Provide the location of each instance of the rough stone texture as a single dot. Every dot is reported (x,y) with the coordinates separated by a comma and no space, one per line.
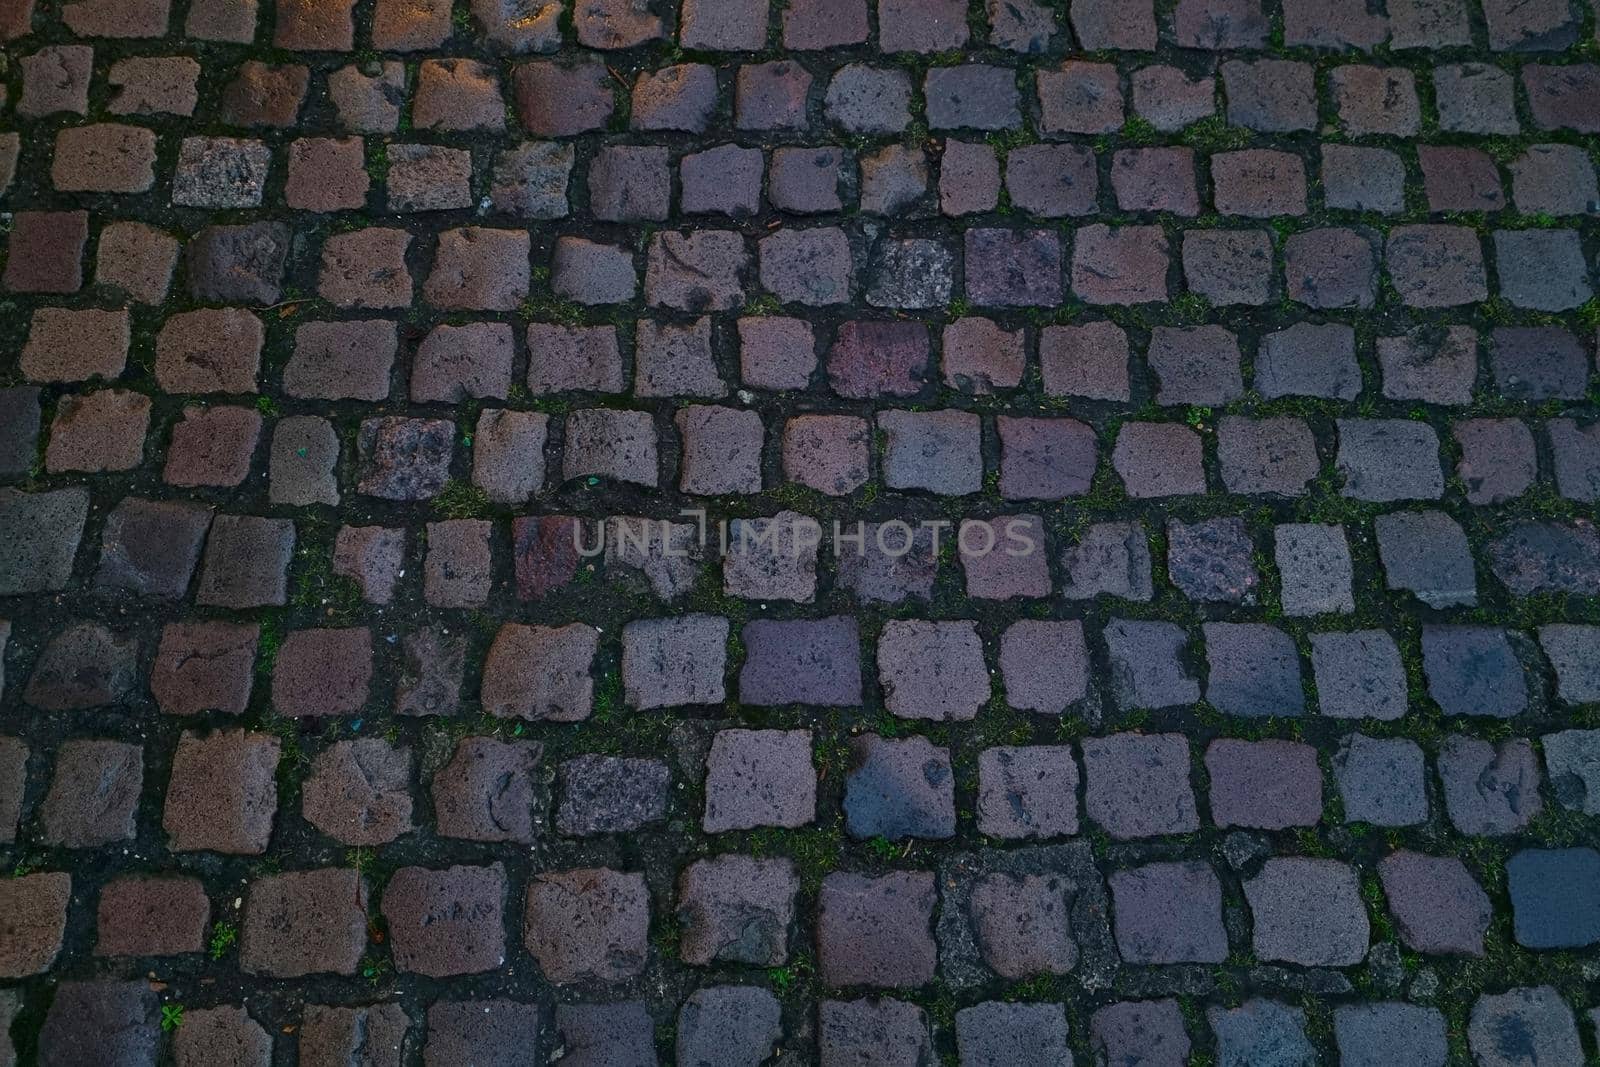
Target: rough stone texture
(586,436)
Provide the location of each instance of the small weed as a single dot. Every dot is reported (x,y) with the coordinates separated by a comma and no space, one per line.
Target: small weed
(171,1017)
(224,935)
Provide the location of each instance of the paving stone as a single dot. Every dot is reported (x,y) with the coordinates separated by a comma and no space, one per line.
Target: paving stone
(871,100)
(982,97)
(876,931)
(84,666)
(1489,788)
(35,922)
(772,558)
(1314,569)
(1270,95)
(150,548)
(1426,553)
(1080,97)
(375,1032)
(13,779)
(246,562)
(1170,98)
(1309,359)
(1156,459)
(1384,460)
(932,670)
(45,252)
(606,794)
(19,429)
(771,96)
(1574,652)
(427,177)
(759,778)
(1548,906)
(725,180)
(898,789)
(1438,907)
(1460,179)
(101,1021)
(874,359)
(667,554)
(136,259)
(1147,670)
(212,446)
(1044,665)
(68,346)
(366,269)
(728,1024)
(1169,913)
(1266,785)
(238,264)
(810,267)
(736,909)
(1005,557)
(910,274)
(979,357)
(371,556)
(446,922)
(1274,456)
(55,79)
(1258,183)
(1436,266)
(367,100)
(606,443)
(488,1032)
(1473,670)
(874,1030)
(995,1032)
(1052,181)
(1308,912)
(1013,268)
(1475,98)
(478,269)
(1542,269)
(776,352)
(1138,785)
(936,451)
(1146,1033)
(323,672)
(674,662)
(99,431)
(629,184)
(1229,266)
(305,453)
(1029,791)
(1439,366)
(327,174)
(1254,670)
(1536,27)
(1212,560)
(1381,781)
(1198,365)
(1576,459)
(404,459)
(304,922)
(1089,361)
(151,917)
(458,568)
(1523,1025)
(540,673)
(600,1033)
(1555,179)
(804,181)
(1368,1033)
(1538,362)
(225,1034)
(1125,265)
(889,564)
(1359,178)
(359,792)
(1429,23)
(589,924)
(486,792)
(1111,558)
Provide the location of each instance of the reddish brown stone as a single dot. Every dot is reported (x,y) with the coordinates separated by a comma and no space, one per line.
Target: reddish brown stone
(44,252)
(223,793)
(323,672)
(73,345)
(262,95)
(545,553)
(101,431)
(152,917)
(205,666)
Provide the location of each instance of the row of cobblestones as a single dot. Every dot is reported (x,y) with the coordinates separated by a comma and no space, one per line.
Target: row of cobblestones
(838,531)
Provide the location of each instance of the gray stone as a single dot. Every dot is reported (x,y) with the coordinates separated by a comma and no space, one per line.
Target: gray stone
(1139,1033)
(1147,668)
(932,670)
(1474,670)
(996,1034)
(1261,1033)
(1169,913)
(1381,780)
(1574,652)
(1488,788)
(1138,785)
(1358,675)
(899,789)
(1552,899)
(39,536)
(1308,912)
(1266,785)
(1212,560)
(1254,670)
(611,794)
(1390,1032)
(1314,569)
(1523,1027)
(737,1026)
(1572,759)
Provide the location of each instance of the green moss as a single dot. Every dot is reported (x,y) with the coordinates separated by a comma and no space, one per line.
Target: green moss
(462,500)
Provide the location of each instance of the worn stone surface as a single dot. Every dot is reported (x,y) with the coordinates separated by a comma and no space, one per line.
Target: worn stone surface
(441,430)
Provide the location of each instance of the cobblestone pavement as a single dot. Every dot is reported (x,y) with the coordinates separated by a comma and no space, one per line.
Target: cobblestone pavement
(1215,679)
